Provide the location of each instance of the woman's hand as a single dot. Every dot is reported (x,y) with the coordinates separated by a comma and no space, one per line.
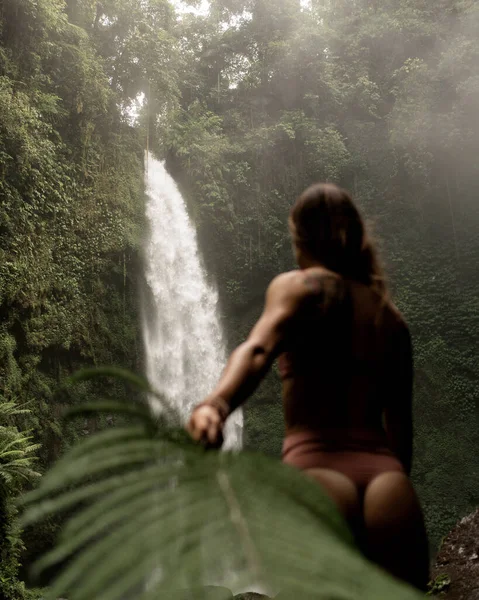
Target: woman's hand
(206,424)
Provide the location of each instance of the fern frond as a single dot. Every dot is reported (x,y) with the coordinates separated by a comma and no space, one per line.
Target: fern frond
(16,453)
(196,517)
(113,372)
(128,377)
(109,407)
(42,508)
(154,513)
(10,409)
(117,435)
(10,454)
(6,476)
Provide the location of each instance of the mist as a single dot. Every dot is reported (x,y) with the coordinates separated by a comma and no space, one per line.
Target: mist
(247,102)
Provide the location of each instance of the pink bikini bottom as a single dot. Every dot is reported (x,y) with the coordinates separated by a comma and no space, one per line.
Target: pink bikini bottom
(361,455)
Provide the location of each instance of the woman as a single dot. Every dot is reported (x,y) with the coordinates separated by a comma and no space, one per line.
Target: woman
(346,366)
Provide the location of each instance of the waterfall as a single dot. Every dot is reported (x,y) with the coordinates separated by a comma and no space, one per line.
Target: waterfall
(184,342)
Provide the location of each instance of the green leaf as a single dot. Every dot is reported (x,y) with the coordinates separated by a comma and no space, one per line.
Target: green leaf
(195,518)
(108,407)
(128,377)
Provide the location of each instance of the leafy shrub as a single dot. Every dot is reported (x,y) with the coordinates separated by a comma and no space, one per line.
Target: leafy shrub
(16,469)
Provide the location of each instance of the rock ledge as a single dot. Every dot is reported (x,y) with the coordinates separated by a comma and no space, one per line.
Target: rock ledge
(455,575)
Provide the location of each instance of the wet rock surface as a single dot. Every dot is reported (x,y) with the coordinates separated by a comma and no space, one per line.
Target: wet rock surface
(455,575)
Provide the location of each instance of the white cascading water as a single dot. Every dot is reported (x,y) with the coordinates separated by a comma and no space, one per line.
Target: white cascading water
(184,344)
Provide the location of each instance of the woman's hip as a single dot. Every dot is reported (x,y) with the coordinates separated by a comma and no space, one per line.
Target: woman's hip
(360,455)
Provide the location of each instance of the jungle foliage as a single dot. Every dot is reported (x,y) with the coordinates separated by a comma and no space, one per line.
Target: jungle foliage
(71,207)
(249,104)
(17,463)
(382,98)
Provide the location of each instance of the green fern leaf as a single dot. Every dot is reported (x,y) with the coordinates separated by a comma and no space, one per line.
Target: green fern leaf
(179,517)
(153,513)
(109,407)
(126,376)
(114,372)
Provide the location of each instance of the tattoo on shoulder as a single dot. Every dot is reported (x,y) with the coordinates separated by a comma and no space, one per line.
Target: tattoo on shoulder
(314,282)
(322,283)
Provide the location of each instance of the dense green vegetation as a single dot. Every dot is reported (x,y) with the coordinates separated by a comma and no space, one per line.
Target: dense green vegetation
(17,458)
(380,97)
(249,104)
(71,209)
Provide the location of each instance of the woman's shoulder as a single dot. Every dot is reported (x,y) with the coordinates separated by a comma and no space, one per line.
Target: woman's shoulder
(306,282)
(396,315)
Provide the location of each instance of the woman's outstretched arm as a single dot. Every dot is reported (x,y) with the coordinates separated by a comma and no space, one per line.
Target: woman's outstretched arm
(250,362)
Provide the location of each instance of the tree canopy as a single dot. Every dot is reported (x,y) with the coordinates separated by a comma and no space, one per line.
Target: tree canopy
(248,103)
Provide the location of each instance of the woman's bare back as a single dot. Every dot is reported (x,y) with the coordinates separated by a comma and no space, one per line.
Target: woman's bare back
(352,371)
(344,356)
(348,367)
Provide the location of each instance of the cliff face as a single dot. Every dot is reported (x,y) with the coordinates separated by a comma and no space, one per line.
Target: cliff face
(455,575)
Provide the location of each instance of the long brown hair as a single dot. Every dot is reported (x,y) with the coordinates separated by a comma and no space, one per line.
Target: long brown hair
(330,229)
